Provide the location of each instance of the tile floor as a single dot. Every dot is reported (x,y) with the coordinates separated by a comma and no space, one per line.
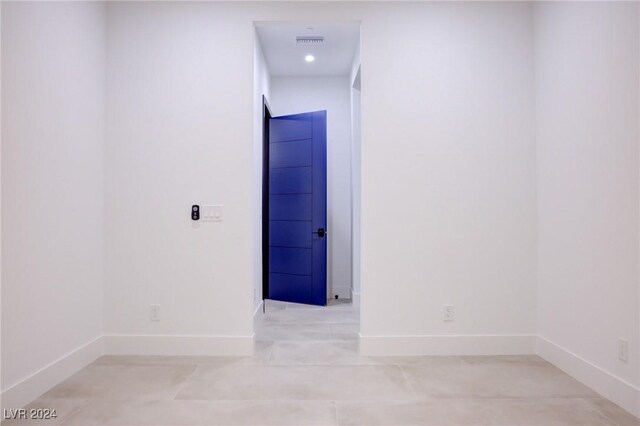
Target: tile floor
(306,370)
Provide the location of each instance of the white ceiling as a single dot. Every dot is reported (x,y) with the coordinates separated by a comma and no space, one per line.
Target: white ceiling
(286,59)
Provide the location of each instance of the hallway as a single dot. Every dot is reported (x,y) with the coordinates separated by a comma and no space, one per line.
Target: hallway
(306,370)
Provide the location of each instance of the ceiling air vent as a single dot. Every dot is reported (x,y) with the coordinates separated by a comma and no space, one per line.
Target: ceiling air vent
(310,41)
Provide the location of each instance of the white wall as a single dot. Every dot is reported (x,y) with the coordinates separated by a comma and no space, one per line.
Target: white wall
(293,95)
(448,178)
(448,207)
(53,72)
(261,87)
(179,133)
(448,170)
(588,170)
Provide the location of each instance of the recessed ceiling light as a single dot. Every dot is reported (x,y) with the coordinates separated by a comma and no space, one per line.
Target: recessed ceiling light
(309,58)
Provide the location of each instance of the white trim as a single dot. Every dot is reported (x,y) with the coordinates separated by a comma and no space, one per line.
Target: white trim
(611,387)
(31,387)
(257,309)
(355,298)
(417,345)
(177,345)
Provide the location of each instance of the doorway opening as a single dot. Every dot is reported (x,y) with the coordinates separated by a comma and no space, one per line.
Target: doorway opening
(302,71)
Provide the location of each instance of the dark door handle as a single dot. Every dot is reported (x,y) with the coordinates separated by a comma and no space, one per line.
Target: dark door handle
(321,232)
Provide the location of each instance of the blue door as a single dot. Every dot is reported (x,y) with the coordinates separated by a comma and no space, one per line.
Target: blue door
(298,208)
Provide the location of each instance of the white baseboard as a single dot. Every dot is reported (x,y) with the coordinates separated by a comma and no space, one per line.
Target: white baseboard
(611,387)
(355,298)
(20,394)
(176,345)
(417,345)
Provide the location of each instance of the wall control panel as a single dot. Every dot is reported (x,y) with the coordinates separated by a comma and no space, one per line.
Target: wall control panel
(209,213)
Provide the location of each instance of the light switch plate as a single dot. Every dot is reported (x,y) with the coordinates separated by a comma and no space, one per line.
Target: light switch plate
(211,213)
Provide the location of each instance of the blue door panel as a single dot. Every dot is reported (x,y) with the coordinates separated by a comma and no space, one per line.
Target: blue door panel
(290,233)
(291,180)
(287,260)
(290,287)
(290,154)
(290,128)
(298,208)
(290,207)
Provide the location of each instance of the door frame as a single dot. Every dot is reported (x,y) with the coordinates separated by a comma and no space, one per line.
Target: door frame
(266,116)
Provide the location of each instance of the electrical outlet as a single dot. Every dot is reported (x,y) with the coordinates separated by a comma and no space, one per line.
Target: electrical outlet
(623,350)
(154,313)
(448,313)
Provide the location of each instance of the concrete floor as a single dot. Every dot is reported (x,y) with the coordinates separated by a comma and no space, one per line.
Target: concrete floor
(307,370)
